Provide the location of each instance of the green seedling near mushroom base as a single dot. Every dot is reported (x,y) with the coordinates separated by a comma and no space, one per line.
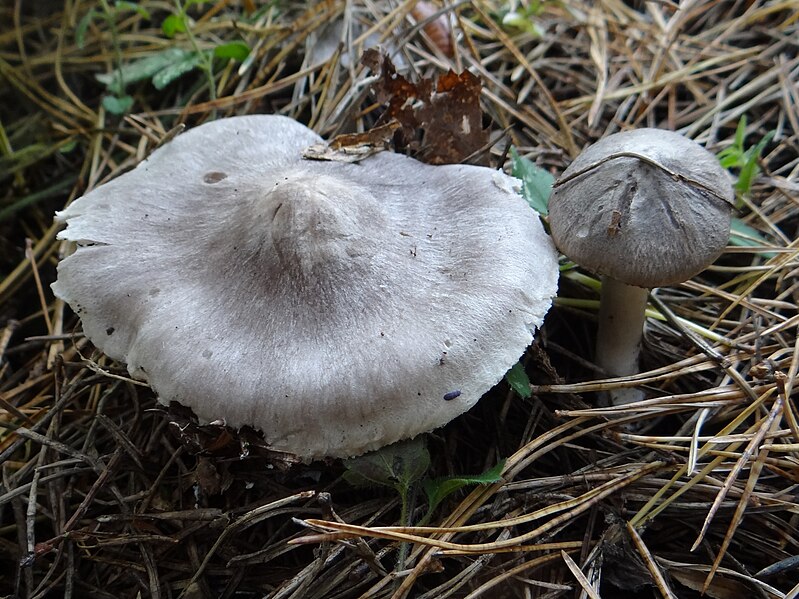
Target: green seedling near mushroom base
(536,189)
(745,160)
(403,467)
(179,22)
(116,102)
(162,67)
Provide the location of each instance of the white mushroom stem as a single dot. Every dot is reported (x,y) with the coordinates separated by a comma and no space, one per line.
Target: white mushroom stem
(621,325)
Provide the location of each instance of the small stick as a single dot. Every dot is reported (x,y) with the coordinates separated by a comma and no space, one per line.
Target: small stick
(32,259)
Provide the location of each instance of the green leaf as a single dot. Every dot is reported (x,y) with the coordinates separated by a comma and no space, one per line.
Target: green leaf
(141,69)
(68,146)
(83,26)
(732,156)
(729,157)
(740,133)
(235,50)
(173,24)
(117,105)
(736,156)
(518,380)
(742,235)
(125,5)
(746,176)
(438,489)
(171,72)
(397,466)
(750,167)
(521,22)
(536,182)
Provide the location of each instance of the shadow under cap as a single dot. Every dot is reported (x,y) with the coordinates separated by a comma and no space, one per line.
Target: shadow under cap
(333,306)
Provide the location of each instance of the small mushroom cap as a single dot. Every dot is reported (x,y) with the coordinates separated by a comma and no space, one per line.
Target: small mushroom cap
(337,307)
(647,207)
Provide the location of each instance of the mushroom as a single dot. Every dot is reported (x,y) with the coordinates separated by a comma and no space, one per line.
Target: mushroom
(643,208)
(337,307)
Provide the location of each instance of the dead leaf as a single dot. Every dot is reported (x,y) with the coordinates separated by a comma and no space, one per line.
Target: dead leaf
(438,29)
(441,121)
(208,477)
(353,147)
(720,587)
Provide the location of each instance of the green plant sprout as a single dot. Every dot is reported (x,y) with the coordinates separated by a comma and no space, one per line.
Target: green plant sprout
(536,189)
(179,23)
(536,181)
(746,161)
(403,467)
(521,18)
(163,67)
(117,102)
(518,380)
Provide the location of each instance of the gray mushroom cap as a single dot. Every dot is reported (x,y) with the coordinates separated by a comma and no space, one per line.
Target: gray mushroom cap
(647,207)
(333,306)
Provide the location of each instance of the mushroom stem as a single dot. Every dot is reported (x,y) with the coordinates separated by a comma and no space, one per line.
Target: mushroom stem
(621,325)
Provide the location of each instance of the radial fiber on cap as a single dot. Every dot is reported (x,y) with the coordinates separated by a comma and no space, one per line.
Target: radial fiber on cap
(333,306)
(646,222)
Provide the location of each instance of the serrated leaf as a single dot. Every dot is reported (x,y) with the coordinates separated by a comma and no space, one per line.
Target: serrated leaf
(171,72)
(173,24)
(397,466)
(235,50)
(141,69)
(438,489)
(117,104)
(519,381)
(536,182)
(83,26)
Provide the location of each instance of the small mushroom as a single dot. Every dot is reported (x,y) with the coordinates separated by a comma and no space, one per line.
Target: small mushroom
(337,307)
(643,208)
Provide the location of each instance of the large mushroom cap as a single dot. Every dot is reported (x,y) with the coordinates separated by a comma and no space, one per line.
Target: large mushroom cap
(337,307)
(647,207)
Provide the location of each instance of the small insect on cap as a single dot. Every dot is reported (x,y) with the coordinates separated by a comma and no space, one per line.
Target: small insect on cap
(646,207)
(337,307)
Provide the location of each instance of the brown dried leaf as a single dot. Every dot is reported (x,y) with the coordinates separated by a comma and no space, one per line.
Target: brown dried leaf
(208,477)
(353,147)
(441,121)
(218,440)
(453,120)
(720,588)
